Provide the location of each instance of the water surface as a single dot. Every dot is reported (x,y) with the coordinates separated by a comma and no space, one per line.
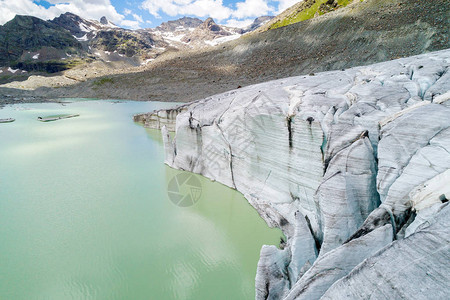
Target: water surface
(85,214)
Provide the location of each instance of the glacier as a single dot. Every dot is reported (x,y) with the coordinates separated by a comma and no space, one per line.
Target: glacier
(353,166)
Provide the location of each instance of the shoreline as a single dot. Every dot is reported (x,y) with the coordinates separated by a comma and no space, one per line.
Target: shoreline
(14,98)
(25,100)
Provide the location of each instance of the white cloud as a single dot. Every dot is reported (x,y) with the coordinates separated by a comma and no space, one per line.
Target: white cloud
(199,8)
(238,23)
(89,9)
(133,24)
(22,7)
(211,8)
(252,8)
(284,4)
(127,12)
(138,18)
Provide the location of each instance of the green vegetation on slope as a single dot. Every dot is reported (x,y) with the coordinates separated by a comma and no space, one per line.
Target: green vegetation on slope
(306,10)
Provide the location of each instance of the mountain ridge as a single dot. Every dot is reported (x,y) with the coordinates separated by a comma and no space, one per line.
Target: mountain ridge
(31,33)
(86,33)
(103,42)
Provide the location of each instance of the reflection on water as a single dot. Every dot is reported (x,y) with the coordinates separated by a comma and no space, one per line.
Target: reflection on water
(85,213)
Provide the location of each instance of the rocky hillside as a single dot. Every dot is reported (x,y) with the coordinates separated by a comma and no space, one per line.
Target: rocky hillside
(25,34)
(80,28)
(182,23)
(353,165)
(125,42)
(362,33)
(174,31)
(69,40)
(107,37)
(210,33)
(193,33)
(257,23)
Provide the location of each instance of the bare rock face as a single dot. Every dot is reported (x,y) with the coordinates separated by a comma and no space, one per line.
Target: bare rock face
(80,27)
(103,20)
(208,31)
(210,25)
(343,162)
(182,23)
(26,33)
(258,22)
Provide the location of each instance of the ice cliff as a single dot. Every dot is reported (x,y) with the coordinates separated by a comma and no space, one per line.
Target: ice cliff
(353,166)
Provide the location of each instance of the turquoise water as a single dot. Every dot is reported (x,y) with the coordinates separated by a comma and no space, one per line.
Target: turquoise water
(85,213)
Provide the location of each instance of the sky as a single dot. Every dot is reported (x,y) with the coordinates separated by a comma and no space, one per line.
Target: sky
(135,14)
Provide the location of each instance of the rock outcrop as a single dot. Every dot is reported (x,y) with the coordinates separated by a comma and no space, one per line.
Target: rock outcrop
(341,161)
(80,28)
(258,22)
(179,24)
(26,33)
(124,42)
(209,31)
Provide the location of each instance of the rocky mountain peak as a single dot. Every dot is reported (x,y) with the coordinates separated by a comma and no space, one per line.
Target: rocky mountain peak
(185,22)
(69,15)
(24,21)
(70,22)
(104,40)
(210,25)
(207,31)
(258,22)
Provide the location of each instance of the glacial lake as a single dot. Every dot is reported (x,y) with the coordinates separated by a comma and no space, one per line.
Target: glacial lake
(85,212)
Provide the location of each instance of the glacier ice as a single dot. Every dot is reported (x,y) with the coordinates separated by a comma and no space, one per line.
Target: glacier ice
(352,165)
